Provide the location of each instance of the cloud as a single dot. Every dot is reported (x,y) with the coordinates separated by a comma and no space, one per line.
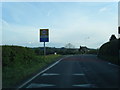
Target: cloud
(49,13)
(4,23)
(18,34)
(78,34)
(30,42)
(103,9)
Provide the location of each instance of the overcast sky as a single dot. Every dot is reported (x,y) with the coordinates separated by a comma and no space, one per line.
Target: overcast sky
(80,23)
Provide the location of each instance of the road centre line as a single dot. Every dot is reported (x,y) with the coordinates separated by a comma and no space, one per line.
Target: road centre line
(40,73)
(84,85)
(79,74)
(49,74)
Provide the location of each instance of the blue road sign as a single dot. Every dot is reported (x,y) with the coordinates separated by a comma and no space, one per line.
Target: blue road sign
(44,35)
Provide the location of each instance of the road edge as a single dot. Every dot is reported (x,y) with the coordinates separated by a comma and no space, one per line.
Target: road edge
(45,69)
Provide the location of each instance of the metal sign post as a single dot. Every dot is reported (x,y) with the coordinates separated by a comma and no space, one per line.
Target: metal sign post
(44,49)
(44,37)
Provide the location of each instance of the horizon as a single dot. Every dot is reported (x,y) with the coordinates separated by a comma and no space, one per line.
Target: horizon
(43,46)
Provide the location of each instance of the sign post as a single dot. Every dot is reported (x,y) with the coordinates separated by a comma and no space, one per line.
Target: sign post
(44,49)
(44,37)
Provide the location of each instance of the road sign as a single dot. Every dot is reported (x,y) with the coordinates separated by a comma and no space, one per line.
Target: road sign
(44,35)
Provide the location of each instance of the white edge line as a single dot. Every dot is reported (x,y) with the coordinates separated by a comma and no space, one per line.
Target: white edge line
(40,73)
(40,85)
(113,64)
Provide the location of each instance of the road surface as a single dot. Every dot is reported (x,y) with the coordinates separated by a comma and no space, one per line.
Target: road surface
(79,71)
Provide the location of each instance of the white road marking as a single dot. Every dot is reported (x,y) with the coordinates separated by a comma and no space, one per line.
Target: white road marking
(79,74)
(36,85)
(113,64)
(49,74)
(84,85)
(40,73)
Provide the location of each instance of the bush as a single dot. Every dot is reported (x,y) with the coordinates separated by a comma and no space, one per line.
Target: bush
(14,54)
(20,62)
(110,51)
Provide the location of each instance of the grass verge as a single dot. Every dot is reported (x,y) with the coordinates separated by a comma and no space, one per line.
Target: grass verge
(17,72)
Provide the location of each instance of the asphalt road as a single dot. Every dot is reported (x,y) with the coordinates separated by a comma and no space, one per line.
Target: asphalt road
(80,71)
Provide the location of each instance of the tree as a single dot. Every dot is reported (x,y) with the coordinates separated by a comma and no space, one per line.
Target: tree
(69,45)
(112,37)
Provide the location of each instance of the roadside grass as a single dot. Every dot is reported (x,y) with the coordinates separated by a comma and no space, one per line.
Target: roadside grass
(19,71)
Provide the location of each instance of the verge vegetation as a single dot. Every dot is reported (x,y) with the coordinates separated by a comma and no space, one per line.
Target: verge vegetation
(20,62)
(110,51)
